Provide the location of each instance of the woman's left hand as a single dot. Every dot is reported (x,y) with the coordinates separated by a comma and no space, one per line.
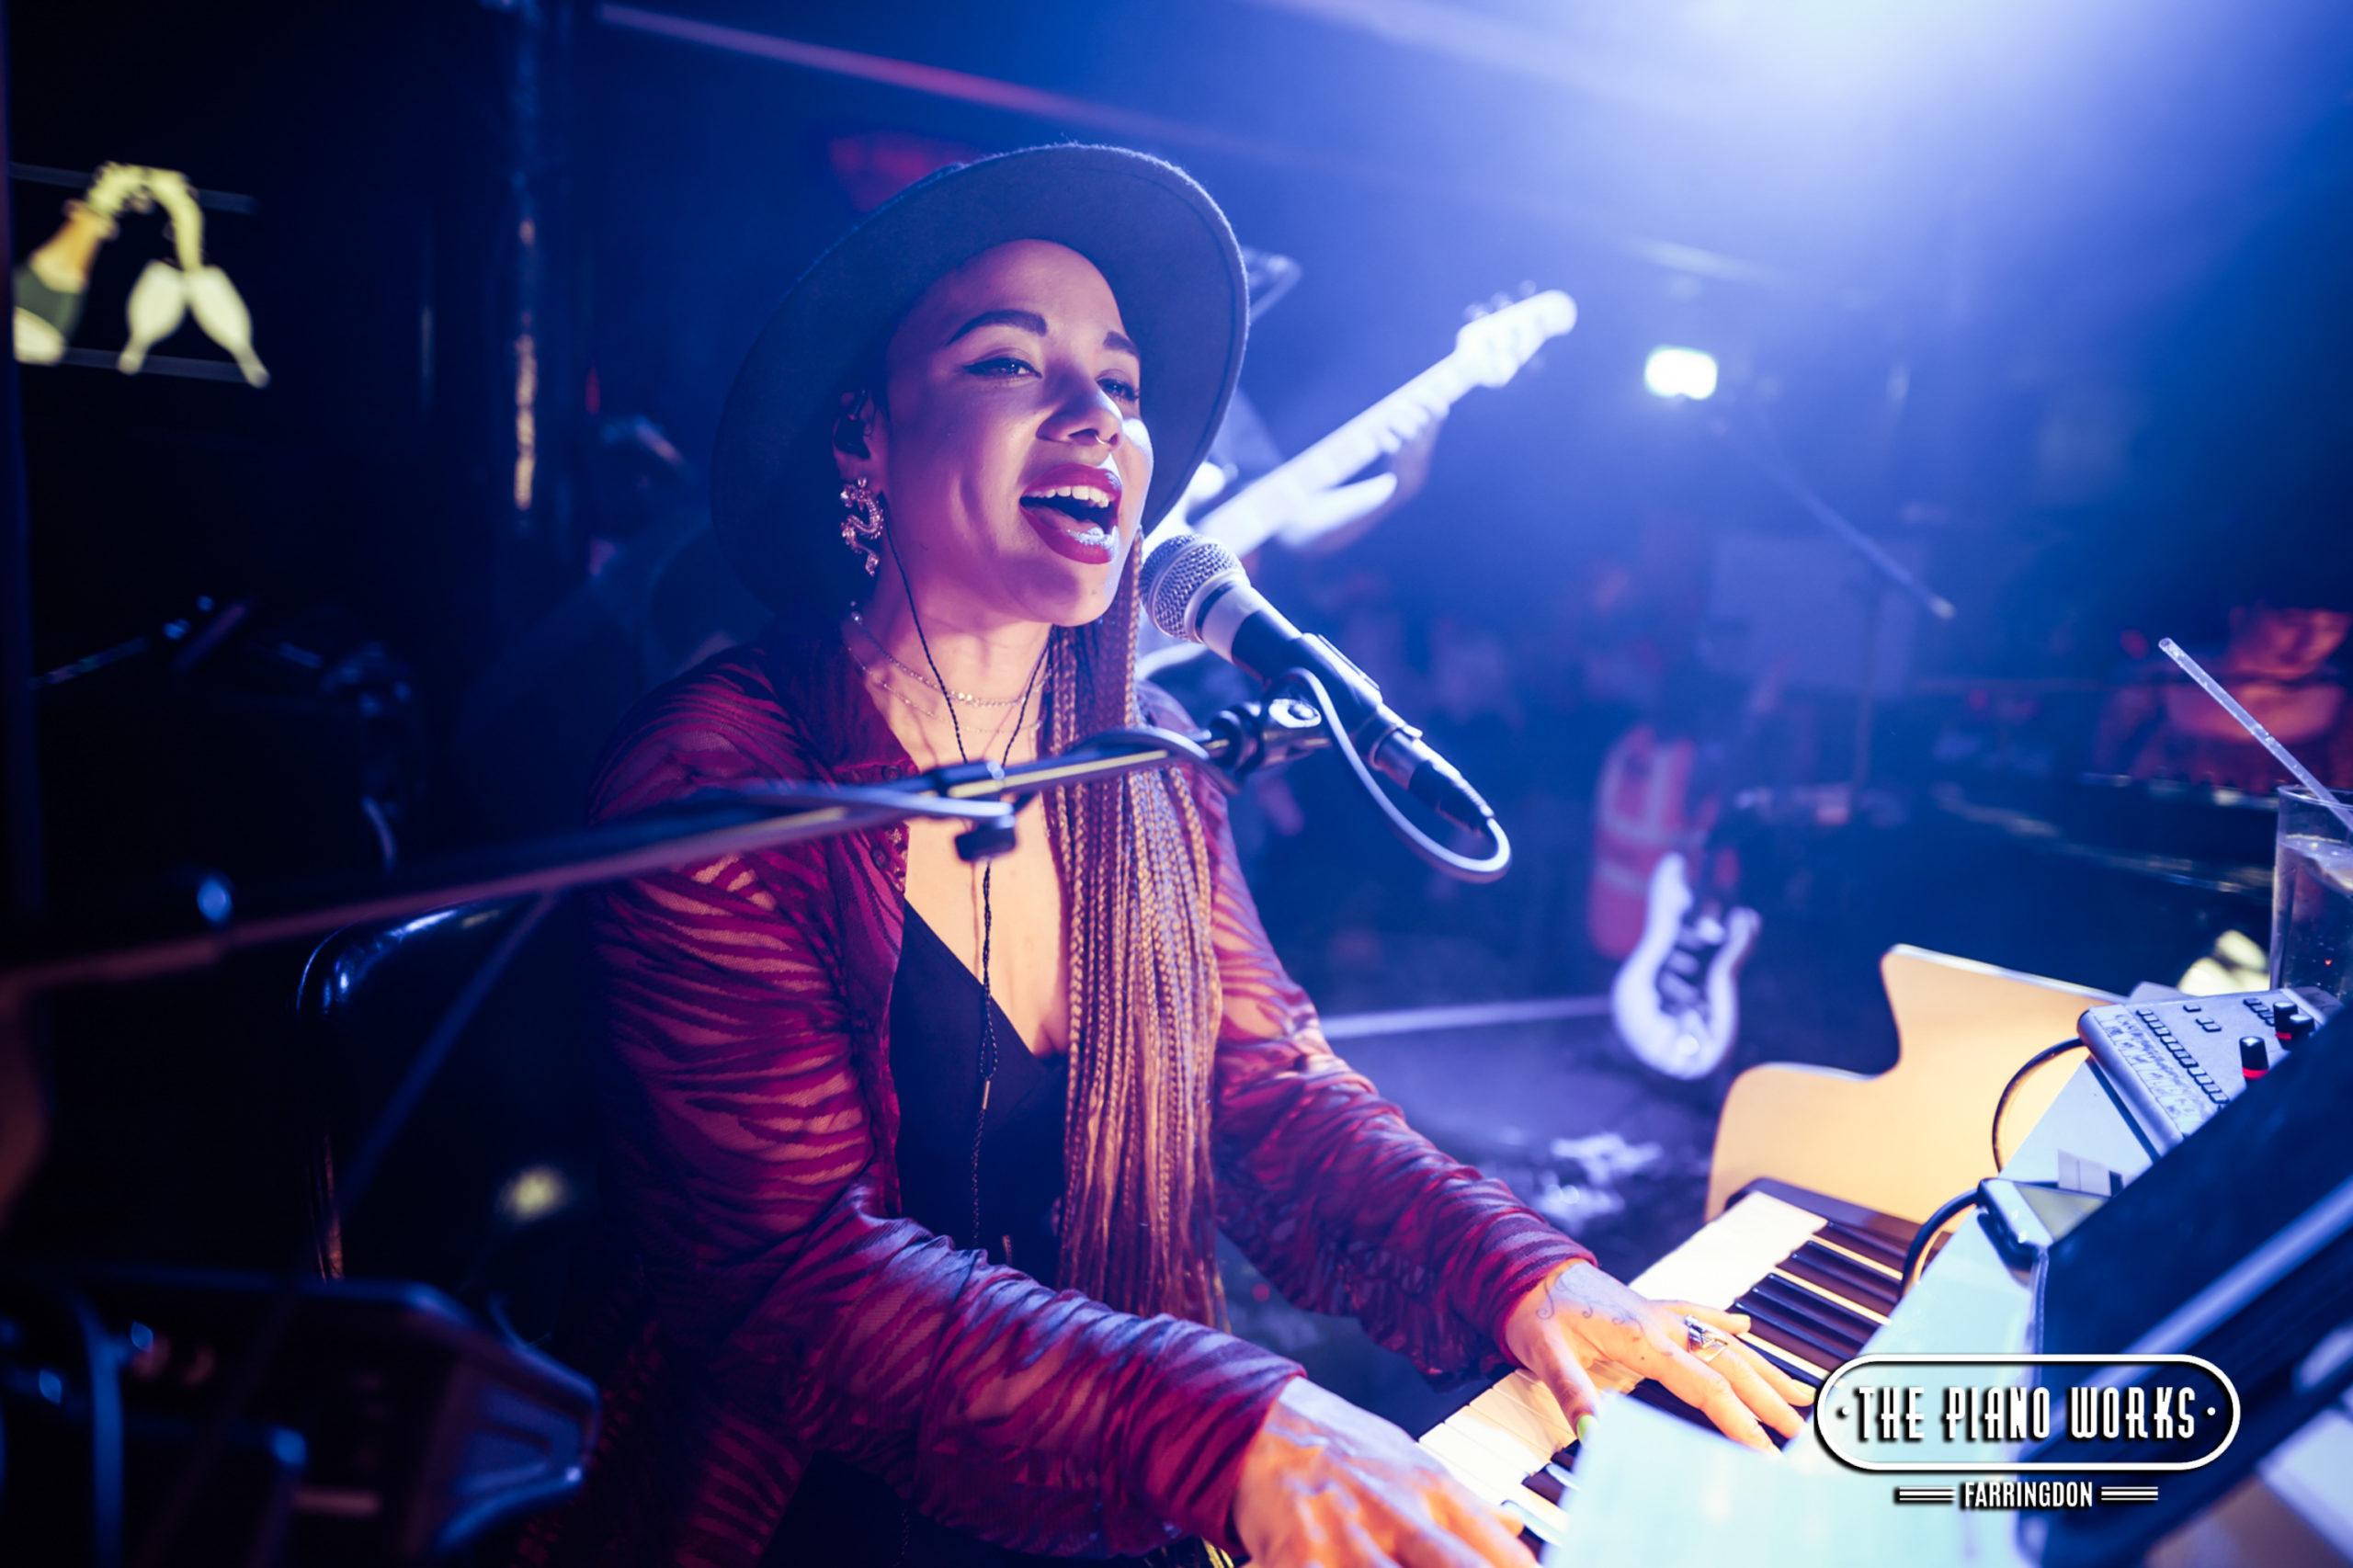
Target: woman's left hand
(1581,1322)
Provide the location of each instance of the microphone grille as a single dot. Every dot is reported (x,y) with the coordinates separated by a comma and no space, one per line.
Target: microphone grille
(1173,577)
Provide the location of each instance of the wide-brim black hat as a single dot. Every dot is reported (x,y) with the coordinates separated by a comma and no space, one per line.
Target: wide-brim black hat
(1159,241)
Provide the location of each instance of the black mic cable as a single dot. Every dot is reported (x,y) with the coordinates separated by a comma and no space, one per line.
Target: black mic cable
(1196,591)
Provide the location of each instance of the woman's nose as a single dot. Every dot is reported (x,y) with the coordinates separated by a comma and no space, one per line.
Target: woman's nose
(1086,413)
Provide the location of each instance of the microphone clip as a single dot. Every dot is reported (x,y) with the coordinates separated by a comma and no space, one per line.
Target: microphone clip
(991,836)
(1265,733)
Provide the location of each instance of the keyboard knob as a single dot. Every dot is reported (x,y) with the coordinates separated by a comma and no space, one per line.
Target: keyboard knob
(2255,1057)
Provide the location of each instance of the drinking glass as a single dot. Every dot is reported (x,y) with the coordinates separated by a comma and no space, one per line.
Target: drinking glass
(2311,897)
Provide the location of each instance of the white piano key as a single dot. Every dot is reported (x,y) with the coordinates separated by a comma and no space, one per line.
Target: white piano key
(1507,1432)
(1528,1409)
(1500,1441)
(1531,1393)
(1469,1450)
(1537,1528)
(1731,1253)
(1472,1462)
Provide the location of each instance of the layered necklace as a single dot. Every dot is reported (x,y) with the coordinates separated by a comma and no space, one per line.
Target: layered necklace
(939,683)
(886,678)
(933,680)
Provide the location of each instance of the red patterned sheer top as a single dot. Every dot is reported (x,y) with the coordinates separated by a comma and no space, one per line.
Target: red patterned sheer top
(746,1049)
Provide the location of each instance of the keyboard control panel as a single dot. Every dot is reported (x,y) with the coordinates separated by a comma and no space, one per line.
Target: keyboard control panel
(2176,1063)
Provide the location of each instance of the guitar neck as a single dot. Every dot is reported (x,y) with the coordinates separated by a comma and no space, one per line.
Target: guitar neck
(1262,507)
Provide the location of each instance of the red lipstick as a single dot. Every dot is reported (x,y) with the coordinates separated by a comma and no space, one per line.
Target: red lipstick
(1075,509)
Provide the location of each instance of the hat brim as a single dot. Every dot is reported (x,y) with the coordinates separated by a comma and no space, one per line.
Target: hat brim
(1159,241)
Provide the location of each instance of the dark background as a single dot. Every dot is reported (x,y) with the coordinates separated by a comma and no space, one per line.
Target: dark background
(2047,299)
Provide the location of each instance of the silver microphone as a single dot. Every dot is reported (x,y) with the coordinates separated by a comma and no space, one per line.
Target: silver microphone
(1196,591)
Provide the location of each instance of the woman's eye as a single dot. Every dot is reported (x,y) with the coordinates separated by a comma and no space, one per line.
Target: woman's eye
(1006,368)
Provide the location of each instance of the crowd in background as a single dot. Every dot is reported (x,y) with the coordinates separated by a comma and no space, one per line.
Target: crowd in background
(1622,683)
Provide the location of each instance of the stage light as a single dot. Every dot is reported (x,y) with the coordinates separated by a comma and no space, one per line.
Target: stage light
(534,1193)
(1680,372)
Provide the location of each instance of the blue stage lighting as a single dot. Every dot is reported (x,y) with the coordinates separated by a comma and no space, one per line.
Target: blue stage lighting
(1680,372)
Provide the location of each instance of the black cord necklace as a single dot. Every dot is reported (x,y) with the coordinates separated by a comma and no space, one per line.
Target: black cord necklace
(988,868)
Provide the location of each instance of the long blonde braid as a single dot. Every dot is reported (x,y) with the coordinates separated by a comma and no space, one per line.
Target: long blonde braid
(1138,1222)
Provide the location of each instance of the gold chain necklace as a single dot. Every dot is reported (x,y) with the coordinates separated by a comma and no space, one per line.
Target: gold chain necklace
(881,678)
(966,697)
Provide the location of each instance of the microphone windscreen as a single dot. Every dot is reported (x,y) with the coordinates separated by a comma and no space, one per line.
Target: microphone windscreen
(1173,576)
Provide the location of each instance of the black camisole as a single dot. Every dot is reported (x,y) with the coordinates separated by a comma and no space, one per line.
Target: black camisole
(935,1047)
(840,1516)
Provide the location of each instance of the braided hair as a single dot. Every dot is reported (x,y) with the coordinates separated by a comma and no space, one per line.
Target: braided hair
(1138,1225)
(1138,1216)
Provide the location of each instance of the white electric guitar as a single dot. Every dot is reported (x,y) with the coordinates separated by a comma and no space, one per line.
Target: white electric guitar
(1488,352)
(1676,998)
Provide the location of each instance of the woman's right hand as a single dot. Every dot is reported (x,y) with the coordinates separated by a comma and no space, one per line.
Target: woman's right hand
(1326,1485)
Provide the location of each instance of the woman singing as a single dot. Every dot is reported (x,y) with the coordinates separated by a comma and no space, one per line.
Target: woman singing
(923,1160)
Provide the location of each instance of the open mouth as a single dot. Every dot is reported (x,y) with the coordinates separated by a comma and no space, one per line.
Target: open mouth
(1075,510)
(1088,510)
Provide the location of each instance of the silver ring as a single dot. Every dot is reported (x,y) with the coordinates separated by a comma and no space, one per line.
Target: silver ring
(1705,1340)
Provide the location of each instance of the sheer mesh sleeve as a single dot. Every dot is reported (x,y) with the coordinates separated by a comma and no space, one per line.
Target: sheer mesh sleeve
(1323,1184)
(1033,1418)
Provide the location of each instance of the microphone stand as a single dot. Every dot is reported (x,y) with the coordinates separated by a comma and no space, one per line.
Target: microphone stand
(1890,575)
(985,795)
(1238,741)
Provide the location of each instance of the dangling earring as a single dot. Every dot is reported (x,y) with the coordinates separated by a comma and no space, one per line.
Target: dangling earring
(862,524)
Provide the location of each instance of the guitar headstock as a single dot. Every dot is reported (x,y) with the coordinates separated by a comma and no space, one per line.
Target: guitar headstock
(1499,341)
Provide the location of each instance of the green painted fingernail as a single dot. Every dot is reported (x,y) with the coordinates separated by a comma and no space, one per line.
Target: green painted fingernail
(1584,1425)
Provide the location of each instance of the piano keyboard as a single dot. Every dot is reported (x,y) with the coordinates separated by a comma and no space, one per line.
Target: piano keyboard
(1815,1276)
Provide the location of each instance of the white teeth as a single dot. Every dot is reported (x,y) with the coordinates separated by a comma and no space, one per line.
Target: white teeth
(1088,493)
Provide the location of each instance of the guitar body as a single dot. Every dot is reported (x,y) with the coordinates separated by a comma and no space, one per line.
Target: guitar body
(1675,1000)
(1905,1139)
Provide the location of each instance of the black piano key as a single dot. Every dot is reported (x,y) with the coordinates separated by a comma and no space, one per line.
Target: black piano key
(1657,1397)
(1817,1280)
(1804,1300)
(1786,1365)
(1792,1315)
(1864,1243)
(1851,1325)
(1796,1342)
(1532,1535)
(1550,1484)
(1768,1323)
(1838,1263)
(1814,1261)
